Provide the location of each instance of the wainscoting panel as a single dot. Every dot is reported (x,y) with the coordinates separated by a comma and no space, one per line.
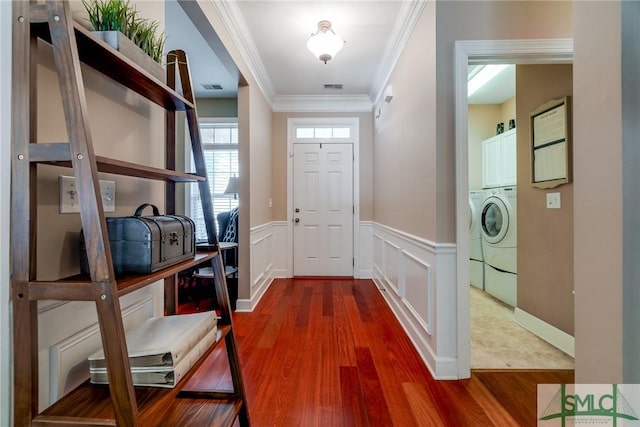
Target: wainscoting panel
(64,345)
(418,290)
(364,252)
(392,267)
(268,260)
(417,279)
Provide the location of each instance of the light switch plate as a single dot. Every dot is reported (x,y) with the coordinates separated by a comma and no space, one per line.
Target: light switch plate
(553,200)
(69,195)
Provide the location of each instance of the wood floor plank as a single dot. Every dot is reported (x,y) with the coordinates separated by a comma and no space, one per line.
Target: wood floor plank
(498,415)
(303,311)
(422,407)
(517,389)
(327,299)
(353,404)
(377,410)
(324,352)
(361,303)
(342,332)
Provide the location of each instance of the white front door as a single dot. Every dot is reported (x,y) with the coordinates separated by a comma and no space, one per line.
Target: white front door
(323,209)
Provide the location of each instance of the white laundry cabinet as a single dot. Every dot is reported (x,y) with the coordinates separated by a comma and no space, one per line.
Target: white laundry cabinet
(499,160)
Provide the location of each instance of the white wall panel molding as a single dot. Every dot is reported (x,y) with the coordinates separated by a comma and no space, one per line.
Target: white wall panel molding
(363,260)
(391,267)
(417,275)
(268,260)
(68,358)
(417,279)
(65,345)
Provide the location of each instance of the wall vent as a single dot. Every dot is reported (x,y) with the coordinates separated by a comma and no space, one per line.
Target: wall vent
(212,86)
(333,85)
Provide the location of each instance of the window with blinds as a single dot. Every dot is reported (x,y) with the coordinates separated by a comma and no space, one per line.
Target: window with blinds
(220,147)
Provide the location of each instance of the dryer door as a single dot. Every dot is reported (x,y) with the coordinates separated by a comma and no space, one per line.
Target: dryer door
(495,219)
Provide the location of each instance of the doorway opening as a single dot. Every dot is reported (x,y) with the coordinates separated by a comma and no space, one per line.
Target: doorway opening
(483,53)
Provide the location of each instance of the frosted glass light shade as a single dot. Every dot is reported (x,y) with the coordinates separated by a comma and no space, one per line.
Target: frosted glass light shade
(325,43)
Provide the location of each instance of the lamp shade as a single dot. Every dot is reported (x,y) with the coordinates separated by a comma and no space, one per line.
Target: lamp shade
(233,186)
(325,43)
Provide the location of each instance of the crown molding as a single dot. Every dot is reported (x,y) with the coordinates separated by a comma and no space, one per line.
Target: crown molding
(407,18)
(322,103)
(237,28)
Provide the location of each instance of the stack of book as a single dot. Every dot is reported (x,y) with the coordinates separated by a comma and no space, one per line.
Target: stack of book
(162,349)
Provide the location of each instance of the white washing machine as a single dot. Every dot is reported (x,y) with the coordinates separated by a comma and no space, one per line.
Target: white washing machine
(476,263)
(499,243)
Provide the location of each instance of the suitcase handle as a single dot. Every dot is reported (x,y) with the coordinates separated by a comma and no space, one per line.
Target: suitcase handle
(138,212)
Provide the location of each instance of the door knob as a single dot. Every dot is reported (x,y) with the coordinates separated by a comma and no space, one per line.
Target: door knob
(297,210)
(297,220)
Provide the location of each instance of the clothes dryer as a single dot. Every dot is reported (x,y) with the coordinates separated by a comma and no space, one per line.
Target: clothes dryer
(476,264)
(499,243)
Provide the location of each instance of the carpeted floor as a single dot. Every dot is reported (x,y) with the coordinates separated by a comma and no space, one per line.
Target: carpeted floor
(497,342)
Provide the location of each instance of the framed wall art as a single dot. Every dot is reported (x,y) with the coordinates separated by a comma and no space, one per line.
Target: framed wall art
(551,143)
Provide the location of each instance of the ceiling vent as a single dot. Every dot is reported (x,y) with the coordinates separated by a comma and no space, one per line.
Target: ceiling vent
(212,86)
(333,86)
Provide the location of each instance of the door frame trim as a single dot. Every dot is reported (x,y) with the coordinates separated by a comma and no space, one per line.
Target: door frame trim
(354,123)
(534,51)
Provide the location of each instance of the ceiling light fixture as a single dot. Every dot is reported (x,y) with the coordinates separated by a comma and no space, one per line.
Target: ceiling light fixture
(483,77)
(325,43)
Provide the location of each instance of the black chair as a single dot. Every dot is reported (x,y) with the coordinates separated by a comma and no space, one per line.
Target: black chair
(228,232)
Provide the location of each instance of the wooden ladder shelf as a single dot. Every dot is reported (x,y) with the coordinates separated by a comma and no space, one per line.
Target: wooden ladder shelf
(120,403)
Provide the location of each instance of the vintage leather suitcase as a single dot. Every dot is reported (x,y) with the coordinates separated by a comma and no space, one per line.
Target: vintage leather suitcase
(144,244)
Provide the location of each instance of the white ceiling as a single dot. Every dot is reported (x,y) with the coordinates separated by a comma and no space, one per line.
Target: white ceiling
(498,89)
(272,37)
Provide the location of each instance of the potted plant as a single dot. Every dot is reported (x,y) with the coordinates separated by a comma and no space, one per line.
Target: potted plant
(117,23)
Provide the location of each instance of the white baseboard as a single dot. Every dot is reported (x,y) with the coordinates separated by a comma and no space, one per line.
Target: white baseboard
(248,305)
(547,332)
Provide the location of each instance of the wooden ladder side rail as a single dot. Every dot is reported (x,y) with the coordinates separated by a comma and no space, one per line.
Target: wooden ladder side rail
(179,58)
(170,283)
(23,219)
(66,57)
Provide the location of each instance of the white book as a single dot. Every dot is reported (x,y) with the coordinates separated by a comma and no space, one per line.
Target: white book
(162,376)
(163,341)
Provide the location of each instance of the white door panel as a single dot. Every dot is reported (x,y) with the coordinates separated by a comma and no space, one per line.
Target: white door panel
(323,194)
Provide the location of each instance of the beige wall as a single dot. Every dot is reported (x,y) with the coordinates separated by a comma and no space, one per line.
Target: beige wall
(508,111)
(279,161)
(545,236)
(137,137)
(260,162)
(254,134)
(597,155)
(478,20)
(404,146)
(482,125)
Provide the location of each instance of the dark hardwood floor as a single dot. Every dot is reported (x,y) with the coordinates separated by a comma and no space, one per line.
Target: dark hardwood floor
(321,352)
